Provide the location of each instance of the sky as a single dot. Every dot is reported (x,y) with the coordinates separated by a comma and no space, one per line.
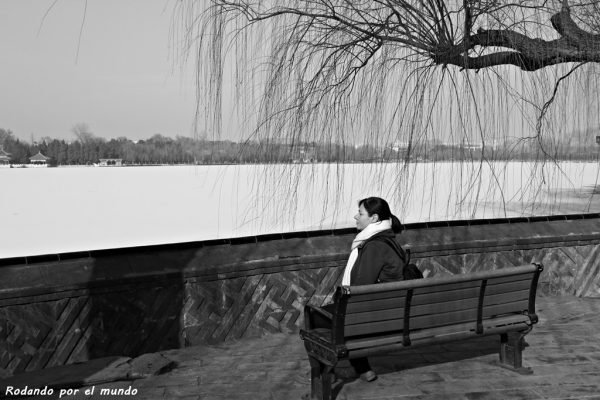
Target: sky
(114,65)
(121,76)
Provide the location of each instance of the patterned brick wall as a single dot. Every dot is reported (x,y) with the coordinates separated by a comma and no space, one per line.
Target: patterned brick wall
(273,303)
(133,301)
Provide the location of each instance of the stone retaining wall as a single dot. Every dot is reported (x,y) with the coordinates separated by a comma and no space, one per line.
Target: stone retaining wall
(64,308)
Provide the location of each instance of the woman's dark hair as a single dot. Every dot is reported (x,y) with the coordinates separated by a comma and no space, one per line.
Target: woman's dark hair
(377,205)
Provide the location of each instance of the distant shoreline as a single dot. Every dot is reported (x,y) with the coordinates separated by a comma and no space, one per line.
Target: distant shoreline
(400,162)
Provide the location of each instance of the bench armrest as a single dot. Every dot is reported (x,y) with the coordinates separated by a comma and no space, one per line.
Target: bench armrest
(316,317)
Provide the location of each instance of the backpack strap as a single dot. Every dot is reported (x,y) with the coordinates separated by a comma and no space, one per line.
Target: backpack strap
(403,254)
(409,271)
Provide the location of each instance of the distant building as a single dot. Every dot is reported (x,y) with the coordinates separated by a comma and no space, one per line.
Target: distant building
(39,159)
(471,146)
(111,162)
(305,153)
(401,146)
(4,157)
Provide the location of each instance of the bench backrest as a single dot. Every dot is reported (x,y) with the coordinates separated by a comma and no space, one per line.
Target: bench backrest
(436,302)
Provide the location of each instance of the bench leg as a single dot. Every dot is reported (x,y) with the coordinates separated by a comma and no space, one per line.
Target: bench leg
(511,352)
(321,380)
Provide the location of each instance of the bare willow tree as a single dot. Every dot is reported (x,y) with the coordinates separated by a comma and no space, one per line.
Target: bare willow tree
(399,71)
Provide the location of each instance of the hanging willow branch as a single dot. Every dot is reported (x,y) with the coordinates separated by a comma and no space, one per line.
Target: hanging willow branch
(384,72)
(430,29)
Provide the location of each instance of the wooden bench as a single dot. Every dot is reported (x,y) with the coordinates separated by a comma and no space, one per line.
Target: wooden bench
(388,317)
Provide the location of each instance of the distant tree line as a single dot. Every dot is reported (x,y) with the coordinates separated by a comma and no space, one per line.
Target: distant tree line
(88,149)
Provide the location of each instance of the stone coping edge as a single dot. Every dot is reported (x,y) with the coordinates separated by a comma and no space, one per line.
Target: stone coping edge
(45,258)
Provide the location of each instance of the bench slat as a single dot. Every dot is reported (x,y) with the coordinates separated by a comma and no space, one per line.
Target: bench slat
(375,305)
(427,316)
(372,302)
(420,298)
(507,308)
(444,293)
(465,315)
(424,334)
(487,324)
(449,295)
(416,310)
(491,299)
(374,327)
(521,291)
(490,307)
(441,319)
(421,322)
(467,303)
(380,324)
(375,316)
(521,281)
(447,287)
(360,298)
(443,307)
(507,287)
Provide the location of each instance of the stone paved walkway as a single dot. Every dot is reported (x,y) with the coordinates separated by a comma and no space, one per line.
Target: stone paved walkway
(564,353)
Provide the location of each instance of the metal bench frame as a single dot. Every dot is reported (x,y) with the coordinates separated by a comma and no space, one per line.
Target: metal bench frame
(327,345)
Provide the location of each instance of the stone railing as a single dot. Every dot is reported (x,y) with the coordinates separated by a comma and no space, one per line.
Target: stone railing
(64,308)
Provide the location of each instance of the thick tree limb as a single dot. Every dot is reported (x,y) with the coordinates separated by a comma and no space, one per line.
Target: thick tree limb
(426,31)
(529,54)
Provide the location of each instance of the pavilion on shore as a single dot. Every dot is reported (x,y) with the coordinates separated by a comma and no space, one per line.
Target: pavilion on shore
(111,162)
(39,159)
(4,157)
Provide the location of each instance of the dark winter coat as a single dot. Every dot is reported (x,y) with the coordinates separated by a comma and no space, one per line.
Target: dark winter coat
(377,261)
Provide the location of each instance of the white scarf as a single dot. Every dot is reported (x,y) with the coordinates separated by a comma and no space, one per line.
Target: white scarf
(370,230)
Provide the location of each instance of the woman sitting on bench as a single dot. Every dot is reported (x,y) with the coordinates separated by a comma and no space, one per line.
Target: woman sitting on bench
(375,257)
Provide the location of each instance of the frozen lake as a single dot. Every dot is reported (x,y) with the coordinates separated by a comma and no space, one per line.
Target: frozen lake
(55,210)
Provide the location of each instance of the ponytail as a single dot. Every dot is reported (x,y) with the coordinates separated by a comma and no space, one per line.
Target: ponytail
(397,226)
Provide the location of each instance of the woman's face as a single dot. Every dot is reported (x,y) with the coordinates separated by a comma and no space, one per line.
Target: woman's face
(363,219)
